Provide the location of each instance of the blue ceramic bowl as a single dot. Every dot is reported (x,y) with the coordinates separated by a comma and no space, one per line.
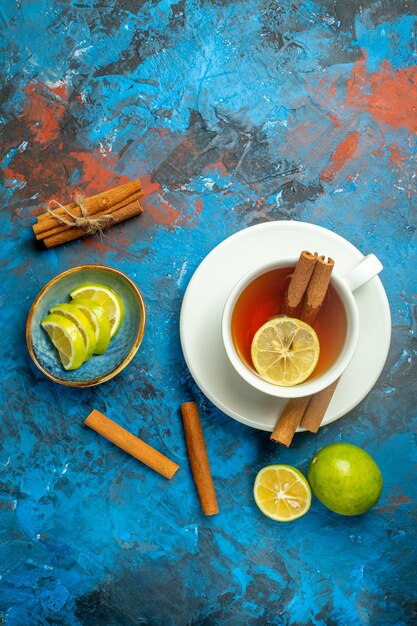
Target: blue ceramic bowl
(122,347)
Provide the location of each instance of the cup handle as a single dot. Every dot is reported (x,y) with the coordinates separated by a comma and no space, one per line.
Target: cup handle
(369,267)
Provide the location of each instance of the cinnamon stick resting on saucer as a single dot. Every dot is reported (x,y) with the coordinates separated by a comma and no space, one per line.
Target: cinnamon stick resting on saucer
(317,407)
(289,420)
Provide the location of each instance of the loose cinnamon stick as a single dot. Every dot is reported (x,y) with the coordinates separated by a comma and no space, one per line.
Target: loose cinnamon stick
(119,215)
(197,454)
(317,408)
(48,227)
(289,420)
(316,289)
(131,444)
(93,204)
(298,284)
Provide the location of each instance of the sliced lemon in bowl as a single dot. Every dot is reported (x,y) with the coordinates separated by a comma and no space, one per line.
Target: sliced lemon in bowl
(285,351)
(105,297)
(99,321)
(81,321)
(282,493)
(67,339)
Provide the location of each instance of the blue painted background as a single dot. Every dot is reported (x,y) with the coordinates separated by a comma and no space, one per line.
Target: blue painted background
(231,113)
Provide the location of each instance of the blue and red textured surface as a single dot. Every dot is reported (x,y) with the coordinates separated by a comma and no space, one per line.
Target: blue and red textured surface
(232,113)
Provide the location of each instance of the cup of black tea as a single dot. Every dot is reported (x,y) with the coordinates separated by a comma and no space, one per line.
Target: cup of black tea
(257,300)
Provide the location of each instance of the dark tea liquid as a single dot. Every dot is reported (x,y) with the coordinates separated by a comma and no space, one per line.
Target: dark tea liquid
(262,300)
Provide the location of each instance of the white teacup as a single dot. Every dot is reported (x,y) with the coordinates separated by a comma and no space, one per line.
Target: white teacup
(344,285)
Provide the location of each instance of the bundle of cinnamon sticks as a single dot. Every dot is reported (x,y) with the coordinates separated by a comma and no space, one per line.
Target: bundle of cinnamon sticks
(64,223)
(304,298)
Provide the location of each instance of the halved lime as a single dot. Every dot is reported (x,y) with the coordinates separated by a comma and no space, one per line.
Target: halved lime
(73,313)
(99,321)
(67,339)
(282,493)
(107,298)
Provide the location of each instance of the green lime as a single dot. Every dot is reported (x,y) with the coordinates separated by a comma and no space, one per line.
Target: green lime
(83,324)
(105,297)
(67,339)
(99,321)
(345,478)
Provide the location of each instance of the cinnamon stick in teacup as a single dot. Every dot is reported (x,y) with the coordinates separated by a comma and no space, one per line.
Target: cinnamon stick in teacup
(299,282)
(315,292)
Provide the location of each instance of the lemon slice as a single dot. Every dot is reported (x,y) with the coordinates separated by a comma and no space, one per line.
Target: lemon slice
(282,493)
(98,320)
(67,339)
(107,298)
(285,351)
(83,324)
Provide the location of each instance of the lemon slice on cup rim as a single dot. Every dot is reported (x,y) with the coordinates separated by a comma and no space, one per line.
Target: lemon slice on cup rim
(67,339)
(105,297)
(285,351)
(282,493)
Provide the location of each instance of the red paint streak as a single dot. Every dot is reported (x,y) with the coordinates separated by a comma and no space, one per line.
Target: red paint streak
(43,110)
(96,176)
(97,244)
(337,123)
(198,208)
(168,216)
(396,158)
(380,150)
(390,96)
(403,499)
(260,202)
(162,132)
(219,165)
(156,208)
(11,178)
(395,503)
(189,218)
(343,153)
(149,187)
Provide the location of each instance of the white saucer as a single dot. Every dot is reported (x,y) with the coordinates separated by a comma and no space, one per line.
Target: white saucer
(202,308)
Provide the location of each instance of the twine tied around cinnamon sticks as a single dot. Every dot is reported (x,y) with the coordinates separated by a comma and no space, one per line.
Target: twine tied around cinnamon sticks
(87,222)
(88,215)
